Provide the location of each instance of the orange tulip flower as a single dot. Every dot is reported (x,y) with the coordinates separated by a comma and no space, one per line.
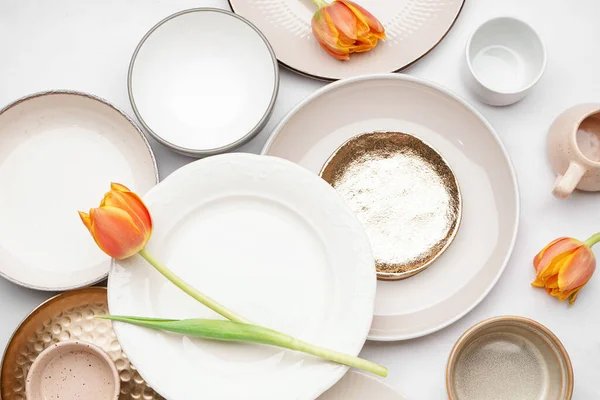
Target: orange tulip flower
(343,27)
(122,225)
(564,267)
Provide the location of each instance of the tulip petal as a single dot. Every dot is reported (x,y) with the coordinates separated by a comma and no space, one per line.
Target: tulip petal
(556,264)
(574,296)
(562,296)
(537,283)
(579,271)
(364,45)
(85,218)
(341,55)
(133,205)
(327,36)
(115,232)
(366,17)
(343,19)
(553,249)
(538,257)
(552,282)
(119,187)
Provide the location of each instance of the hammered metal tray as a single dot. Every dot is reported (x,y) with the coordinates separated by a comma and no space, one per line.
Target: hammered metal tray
(68,316)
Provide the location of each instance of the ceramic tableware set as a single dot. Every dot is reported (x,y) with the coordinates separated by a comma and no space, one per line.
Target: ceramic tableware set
(330,234)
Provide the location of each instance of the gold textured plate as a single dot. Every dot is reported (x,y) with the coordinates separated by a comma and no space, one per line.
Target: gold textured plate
(67,316)
(403,192)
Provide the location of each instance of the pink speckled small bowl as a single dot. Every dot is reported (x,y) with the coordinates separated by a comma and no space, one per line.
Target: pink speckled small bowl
(73,369)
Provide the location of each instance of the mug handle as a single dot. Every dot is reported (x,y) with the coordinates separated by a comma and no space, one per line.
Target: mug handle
(565,184)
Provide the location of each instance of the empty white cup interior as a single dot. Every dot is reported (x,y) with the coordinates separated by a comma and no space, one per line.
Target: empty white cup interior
(506,55)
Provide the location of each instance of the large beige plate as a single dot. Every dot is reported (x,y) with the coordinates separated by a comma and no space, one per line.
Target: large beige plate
(413,28)
(467,271)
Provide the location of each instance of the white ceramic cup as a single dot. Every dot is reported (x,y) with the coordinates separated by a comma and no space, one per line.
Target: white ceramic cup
(505,58)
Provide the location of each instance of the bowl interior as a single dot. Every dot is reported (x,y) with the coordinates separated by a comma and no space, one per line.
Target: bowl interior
(73,369)
(195,94)
(509,359)
(50,140)
(506,55)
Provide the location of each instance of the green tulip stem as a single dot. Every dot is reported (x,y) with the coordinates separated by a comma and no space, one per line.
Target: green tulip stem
(595,238)
(320,3)
(190,290)
(241,332)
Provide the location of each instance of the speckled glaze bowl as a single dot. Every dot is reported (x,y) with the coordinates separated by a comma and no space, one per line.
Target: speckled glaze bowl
(73,369)
(509,358)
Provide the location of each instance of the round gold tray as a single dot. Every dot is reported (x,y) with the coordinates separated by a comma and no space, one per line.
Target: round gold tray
(404,193)
(68,316)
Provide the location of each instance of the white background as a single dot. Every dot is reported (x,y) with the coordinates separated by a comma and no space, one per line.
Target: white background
(86,45)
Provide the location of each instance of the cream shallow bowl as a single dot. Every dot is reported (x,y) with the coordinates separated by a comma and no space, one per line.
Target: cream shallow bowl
(505,58)
(203,81)
(509,358)
(73,370)
(59,151)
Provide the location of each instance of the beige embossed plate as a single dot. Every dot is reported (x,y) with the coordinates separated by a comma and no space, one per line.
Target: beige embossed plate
(302,264)
(405,195)
(413,28)
(68,316)
(466,272)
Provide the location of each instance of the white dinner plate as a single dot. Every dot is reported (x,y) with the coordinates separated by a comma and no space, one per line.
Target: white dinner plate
(358,386)
(413,29)
(59,151)
(203,81)
(462,276)
(272,242)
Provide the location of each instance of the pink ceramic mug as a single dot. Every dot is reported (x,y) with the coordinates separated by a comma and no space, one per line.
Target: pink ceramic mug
(574,150)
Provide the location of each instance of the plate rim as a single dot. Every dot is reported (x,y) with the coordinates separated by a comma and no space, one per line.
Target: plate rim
(401,396)
(432,85)
(410,64)
(105,102)
(217,150)
(342,370)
